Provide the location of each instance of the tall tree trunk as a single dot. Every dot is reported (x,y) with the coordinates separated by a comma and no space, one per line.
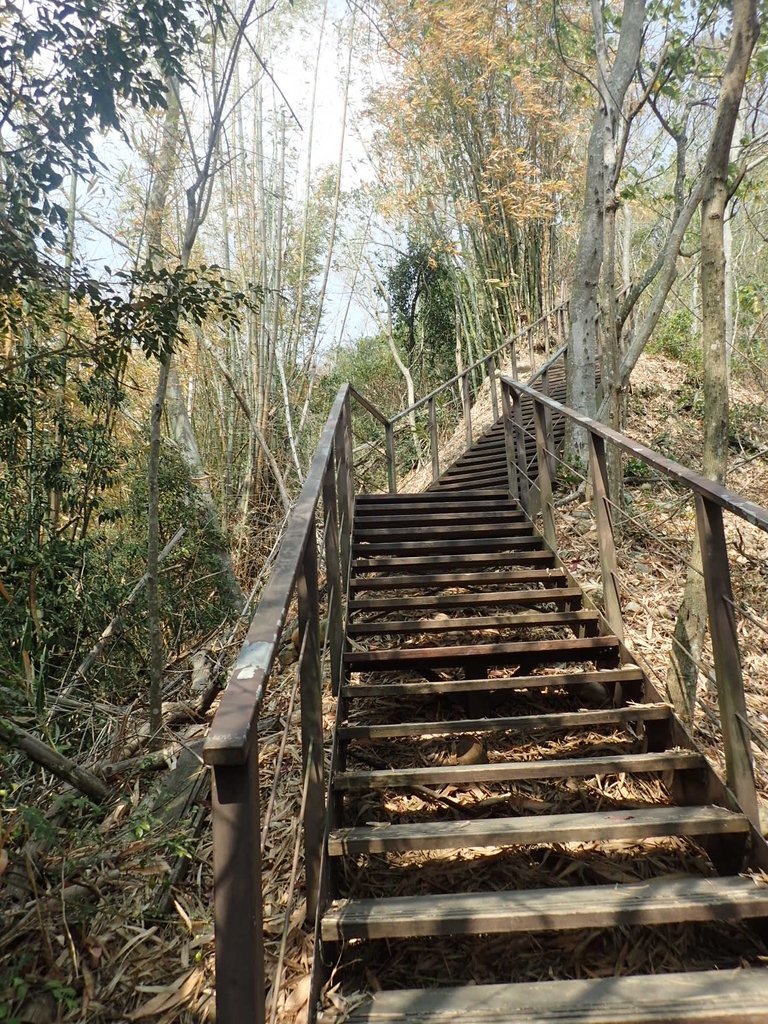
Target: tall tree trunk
(691,621)
(602,173)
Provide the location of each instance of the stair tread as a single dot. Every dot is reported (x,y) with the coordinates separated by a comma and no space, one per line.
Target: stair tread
(517,771)
(450,579)
(607,677)
(551,721)
(461,531)
(413,563)
(660,901)
(429,518)
(516,619)
(531,830)
(708,997)
(411,496)
(559,650)
(438,502)
(460,546)
(487,597)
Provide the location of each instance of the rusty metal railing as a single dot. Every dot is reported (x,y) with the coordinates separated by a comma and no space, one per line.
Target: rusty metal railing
(546,334)
(232,748)
(533,486)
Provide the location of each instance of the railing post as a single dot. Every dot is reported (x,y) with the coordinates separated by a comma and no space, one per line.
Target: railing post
(545,476)
(605,537)
(391,470)
(433,439)
(490,367)
(509,441)
(512,360)
(548,418)
(531,353)
(521,459)
(546,335)
(334,609)
(311,690)
(342,491)
(725,651)
(238,907)
(465,401)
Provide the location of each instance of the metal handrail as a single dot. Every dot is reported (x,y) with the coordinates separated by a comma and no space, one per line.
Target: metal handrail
(709,489)
(480,362)
(231,748)
(711,499)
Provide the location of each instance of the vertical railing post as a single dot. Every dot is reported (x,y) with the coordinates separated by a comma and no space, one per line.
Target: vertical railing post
(465,401)
(546,336)
(531,352)
(523,484)
(605,536)
(334,585)
(512,360)
(548,416)
(391,469)
(725,652)
(342,490)
(490,367)
(433,439)
(311,690)
(545,476)
(509,441)
(238,907)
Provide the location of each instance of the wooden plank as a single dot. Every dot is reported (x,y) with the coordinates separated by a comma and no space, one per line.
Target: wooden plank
(478,599)
(523,724)
(459,579)
(571,649)
(590,827)
(460,547)
(659,901)
(469,494)
(606,677)
(698,997)
(380,563)
(476,622)
(463,531)
(518,771)
(439,517)
(449,505)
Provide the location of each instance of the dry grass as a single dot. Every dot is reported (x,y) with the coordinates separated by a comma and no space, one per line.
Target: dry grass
(81,928)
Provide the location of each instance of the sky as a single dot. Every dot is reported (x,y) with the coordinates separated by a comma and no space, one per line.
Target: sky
(291,64)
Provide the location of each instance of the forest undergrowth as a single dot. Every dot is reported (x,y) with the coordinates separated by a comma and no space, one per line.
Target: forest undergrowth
(108,907)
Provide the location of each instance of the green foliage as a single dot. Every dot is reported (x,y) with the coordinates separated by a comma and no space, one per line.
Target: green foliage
(675,337)
(66,71)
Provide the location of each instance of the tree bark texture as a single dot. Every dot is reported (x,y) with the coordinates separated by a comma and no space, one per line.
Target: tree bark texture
(689,630)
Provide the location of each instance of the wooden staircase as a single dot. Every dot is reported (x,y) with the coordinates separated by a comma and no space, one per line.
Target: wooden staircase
(488,725)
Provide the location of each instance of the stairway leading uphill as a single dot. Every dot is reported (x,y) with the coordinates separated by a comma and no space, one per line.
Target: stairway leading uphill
(515,810)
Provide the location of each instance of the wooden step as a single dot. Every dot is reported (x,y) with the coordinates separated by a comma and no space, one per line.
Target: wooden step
(445,687)
(659,901)
(436,506)
(547,577)
(517,771)
(450,482)
(414,532)
(413,563)
(534,620)
(476,600)
(439,518)
(469,494)
(443,547)
(589,827)
(539,651)
(696,997)
(523,724)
